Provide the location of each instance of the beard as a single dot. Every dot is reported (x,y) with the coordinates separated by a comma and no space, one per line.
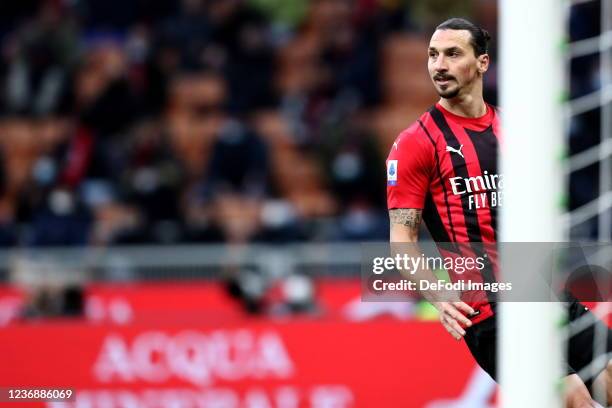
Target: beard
(446,91)
(449,93)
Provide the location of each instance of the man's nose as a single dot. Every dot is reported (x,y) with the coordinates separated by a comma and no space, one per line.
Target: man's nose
(440,64)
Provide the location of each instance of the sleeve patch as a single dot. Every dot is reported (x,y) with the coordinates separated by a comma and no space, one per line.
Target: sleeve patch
(392,172)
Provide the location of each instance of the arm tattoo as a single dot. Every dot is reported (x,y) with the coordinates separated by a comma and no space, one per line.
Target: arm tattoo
(410,217)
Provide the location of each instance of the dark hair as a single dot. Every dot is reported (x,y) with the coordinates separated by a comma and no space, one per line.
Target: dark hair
(480,37)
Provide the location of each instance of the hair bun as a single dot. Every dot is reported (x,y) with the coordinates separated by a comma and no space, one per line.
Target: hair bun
(486,35)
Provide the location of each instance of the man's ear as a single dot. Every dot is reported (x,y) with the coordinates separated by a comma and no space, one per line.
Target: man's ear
(483,63)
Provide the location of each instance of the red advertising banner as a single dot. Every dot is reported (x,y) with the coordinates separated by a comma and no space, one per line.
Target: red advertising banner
(146,302)
(258,363)
(210,302)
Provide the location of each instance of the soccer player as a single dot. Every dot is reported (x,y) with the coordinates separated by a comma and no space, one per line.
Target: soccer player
(443,169)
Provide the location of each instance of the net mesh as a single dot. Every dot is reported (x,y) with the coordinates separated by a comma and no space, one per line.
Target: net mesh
(588,108)
(588,162)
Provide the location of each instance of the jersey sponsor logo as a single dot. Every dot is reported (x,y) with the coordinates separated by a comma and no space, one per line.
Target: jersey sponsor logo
(451,149)
(392,172)
(483,191)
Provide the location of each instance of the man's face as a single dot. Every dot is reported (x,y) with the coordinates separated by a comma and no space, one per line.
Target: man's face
(453,65)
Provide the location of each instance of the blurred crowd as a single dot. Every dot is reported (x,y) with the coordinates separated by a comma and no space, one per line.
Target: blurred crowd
(224,120)
(163,121)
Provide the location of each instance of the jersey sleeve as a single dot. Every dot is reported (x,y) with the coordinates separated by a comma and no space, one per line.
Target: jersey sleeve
(410,166)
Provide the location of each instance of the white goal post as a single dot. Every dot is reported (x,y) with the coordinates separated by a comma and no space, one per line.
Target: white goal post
(531,95)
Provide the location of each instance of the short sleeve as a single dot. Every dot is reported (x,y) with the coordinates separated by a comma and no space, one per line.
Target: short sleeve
(410,165)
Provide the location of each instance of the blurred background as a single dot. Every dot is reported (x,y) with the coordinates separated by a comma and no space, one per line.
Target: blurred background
(184,187)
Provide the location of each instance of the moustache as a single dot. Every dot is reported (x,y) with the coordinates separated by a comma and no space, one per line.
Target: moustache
(443,78)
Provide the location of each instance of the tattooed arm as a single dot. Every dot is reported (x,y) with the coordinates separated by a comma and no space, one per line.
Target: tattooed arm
(405,224)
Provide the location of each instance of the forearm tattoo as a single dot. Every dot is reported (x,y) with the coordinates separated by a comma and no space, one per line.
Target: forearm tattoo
(410,217)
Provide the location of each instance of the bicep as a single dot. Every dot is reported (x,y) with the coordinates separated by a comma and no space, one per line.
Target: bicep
(409,172)
(405,224)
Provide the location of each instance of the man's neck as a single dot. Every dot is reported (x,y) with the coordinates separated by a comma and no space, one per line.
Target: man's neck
(469,107)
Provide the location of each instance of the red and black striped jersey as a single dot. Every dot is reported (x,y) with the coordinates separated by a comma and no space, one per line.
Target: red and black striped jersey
(447,165)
